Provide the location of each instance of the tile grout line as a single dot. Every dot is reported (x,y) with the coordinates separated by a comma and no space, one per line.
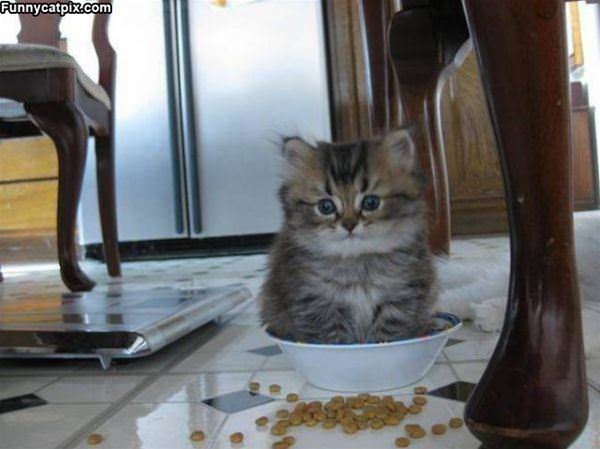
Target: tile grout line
(117,406)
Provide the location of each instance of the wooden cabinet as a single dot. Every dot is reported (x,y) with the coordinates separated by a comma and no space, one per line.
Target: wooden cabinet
(28,186)
(476,189)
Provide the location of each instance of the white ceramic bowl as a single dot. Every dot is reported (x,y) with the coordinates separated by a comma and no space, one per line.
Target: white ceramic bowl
(370,367)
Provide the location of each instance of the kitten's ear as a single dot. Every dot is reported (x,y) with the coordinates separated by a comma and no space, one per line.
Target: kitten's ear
(401,148)
(297,152)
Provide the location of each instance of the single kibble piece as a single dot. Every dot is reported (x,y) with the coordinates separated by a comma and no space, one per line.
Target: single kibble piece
(283,423)
(197,435)
(420,390)
(236,437)
(420,400)
(311,422)
(295,419)
(94,438)
(417,433)
(274,388)
(350,429)
(283,414)
(411,427)
(278,430)
(414,409)
(254,386)
(292,397)
(262,421)
(280,445)
(402,442)
(392,420)
(289,440)
(455,423)
(438,429)
(329,423)
(377,424)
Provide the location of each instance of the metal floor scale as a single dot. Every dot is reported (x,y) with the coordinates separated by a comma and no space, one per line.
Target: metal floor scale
(108,325)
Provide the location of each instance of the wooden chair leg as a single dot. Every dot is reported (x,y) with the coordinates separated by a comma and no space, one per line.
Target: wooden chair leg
(423,38)
(66,126)
(105,174)
(533,394)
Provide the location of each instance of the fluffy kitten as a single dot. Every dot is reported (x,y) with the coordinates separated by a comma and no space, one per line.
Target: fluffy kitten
(351,263)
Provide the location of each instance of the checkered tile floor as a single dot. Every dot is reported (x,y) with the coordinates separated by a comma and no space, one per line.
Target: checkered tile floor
(201,381)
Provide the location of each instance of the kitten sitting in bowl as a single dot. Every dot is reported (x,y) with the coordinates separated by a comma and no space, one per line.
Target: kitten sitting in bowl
(351,263)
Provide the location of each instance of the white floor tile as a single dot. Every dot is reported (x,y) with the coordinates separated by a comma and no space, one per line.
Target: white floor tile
(150,364)
(193,387)
(470,372)
(237,338)
(89,389)
(158,426)
(472,350)
(215,361)
(290,382)
(17,386)
(439,376)
(590,437)
(45,427)
(278,362)
(593,370)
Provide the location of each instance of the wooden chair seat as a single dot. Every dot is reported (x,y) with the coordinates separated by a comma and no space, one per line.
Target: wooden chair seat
(25,57)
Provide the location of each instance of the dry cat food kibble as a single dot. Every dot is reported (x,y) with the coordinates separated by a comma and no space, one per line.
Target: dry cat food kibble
(254,386)
(289,440)
(420,400)
(414,409)
(262,421)
(94,439)
(353,414)
(274,388)
(283,414)
(455,423)
(236,437)
(278,430)
(418,432)
(402,442)
(438,429)
(197,435)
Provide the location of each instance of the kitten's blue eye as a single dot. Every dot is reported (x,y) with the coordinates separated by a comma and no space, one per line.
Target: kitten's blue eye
(371,203)
(326,207)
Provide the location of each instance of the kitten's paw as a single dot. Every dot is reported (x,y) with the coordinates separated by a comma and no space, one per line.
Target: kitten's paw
(489,315)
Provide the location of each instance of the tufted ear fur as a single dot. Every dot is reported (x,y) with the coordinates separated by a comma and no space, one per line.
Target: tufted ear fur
(298,154)
(401,149)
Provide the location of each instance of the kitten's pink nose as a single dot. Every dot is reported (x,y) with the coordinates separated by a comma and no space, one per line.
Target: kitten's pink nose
(349,223)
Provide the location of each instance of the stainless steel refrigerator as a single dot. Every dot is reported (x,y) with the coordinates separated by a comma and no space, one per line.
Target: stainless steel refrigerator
(204,95)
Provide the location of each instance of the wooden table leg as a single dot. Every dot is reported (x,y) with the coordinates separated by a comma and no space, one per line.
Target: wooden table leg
(533,393)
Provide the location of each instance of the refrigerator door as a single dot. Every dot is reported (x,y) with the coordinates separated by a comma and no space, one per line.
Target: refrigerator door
(258,72)
(150,185)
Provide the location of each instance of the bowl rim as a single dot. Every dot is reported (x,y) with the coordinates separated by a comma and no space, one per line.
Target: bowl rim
(449,317)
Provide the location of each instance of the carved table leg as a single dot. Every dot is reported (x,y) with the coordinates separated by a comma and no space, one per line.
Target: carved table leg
(533,393)
(67,128)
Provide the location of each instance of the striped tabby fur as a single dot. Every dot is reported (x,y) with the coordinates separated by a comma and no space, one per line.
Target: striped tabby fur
(329,285)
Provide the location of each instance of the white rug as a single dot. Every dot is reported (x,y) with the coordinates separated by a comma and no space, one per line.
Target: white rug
(474,279)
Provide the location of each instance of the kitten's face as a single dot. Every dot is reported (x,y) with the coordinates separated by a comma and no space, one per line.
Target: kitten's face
(353,199)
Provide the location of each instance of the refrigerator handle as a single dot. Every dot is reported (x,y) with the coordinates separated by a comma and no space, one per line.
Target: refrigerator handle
(174,114)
